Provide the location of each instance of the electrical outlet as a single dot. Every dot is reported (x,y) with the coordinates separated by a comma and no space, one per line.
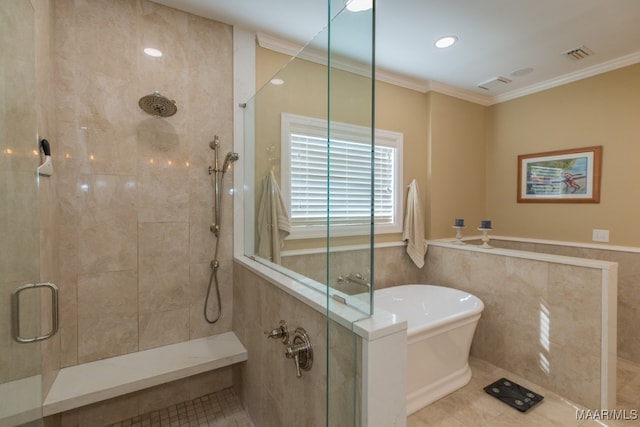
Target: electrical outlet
(600,235)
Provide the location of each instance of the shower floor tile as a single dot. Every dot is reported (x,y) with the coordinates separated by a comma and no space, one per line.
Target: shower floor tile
(220,409)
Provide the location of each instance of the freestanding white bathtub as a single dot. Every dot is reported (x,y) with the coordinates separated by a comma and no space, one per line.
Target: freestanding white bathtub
(441,323)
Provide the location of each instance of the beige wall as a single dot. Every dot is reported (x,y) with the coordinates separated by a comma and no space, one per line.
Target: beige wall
(464,155)
(406,111)
(134,196)
(601,110)
(457,164)
(396,109)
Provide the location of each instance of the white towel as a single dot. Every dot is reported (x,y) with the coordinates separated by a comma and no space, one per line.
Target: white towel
(414,226)
(273,220)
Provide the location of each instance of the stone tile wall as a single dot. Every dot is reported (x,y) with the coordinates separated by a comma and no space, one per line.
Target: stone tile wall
(19,217)
(135,199)
(628,286)
(541,320)
(267,382)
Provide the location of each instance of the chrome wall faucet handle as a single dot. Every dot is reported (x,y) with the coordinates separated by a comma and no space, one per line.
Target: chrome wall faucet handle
(300,351)
(280,332)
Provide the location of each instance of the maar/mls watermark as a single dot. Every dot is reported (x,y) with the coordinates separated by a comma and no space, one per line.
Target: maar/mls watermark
(607,414)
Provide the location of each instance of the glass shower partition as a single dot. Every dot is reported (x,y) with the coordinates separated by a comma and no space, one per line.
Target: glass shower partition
(308,182)
(20,365)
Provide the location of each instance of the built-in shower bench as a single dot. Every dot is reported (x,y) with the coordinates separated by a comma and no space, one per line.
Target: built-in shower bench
(93,382)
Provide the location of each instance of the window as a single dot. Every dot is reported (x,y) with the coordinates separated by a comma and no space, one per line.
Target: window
(304,178)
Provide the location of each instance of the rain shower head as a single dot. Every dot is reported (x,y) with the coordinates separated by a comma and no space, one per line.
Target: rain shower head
(158,105)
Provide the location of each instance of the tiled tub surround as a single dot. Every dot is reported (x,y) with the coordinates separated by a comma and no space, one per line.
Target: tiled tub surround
(548,318)
(628,259)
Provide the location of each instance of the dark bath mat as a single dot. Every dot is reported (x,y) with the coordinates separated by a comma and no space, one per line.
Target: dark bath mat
(513,394)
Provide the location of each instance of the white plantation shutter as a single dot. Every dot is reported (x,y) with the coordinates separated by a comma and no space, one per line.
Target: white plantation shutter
(307,164)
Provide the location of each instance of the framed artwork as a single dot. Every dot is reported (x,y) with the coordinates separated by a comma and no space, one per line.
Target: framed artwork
(564,176)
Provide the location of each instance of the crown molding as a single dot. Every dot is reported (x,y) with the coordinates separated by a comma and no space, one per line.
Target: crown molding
(456,92)
(294,49)
(320,57)
(594,70)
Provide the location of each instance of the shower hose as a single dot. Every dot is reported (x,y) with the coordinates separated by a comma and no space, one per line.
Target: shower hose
(213,278)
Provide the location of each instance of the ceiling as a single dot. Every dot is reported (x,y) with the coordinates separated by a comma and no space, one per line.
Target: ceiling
(522,40)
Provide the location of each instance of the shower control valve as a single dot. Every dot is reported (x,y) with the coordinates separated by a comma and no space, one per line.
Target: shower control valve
(280,332)
(300,351)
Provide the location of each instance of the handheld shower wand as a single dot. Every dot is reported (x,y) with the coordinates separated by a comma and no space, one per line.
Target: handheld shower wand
(218,176)
(230,158)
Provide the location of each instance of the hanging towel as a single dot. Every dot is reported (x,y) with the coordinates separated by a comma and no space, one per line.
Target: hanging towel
(414,226)
(273,220)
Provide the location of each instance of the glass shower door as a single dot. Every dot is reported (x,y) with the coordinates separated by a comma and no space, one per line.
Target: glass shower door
(20,365)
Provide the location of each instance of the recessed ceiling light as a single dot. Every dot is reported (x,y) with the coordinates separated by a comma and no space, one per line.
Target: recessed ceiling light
(152,52)
(446,41)
(359,5)
(277,81)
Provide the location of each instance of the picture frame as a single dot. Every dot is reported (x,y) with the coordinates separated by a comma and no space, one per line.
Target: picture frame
(563,176)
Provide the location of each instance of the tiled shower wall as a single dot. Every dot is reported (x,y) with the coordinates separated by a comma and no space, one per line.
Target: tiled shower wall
(134,198)
(17,187)
(267,383)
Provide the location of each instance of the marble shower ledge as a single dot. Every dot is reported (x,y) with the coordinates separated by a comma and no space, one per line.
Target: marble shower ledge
(93,382)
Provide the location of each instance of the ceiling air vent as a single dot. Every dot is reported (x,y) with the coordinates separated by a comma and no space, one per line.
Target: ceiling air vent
(578,53)
(494,83)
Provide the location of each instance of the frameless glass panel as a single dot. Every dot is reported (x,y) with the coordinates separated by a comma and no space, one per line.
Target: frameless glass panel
(308,181)
(351,167)
(350,195)
(309,178)
(20,380)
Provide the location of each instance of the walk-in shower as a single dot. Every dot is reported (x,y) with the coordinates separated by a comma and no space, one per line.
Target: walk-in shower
(217,173)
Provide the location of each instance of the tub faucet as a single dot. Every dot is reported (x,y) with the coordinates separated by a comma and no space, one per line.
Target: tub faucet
(357,278)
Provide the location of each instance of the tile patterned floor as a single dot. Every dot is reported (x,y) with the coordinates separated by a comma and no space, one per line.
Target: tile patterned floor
(472,407)
(220,409)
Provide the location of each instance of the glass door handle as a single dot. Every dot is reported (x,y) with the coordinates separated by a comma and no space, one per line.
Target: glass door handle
(15,312)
